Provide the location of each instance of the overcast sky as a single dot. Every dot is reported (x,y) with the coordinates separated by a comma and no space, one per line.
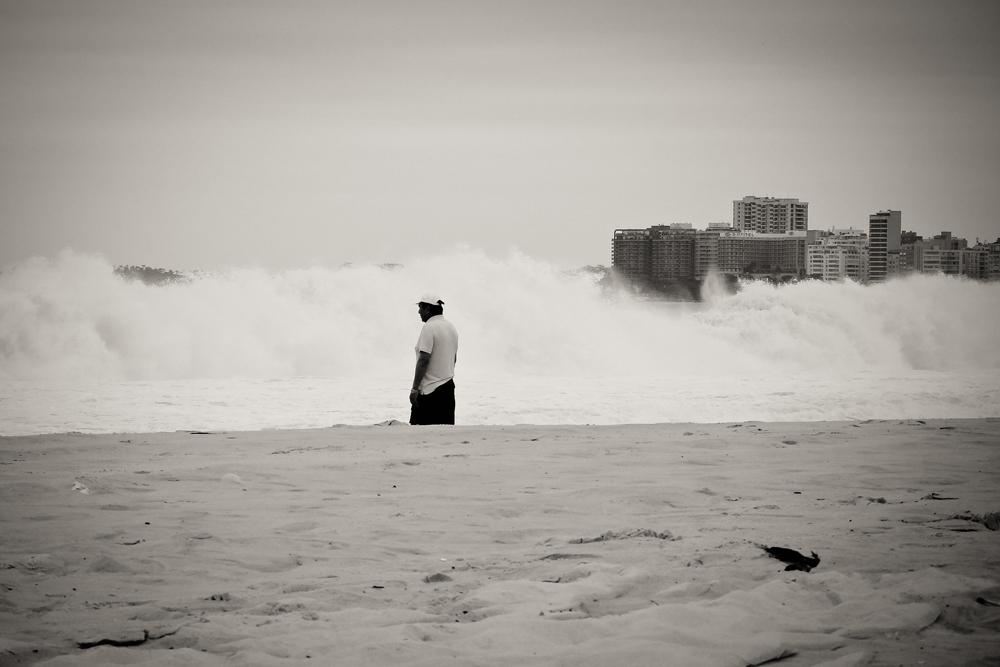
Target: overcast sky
(199,134)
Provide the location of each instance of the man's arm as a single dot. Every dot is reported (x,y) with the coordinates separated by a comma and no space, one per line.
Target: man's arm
(423,360)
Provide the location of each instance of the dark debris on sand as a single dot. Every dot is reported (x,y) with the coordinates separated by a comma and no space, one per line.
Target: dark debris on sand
(795,560)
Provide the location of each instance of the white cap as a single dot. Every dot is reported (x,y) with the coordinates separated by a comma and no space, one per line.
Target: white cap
(431,298)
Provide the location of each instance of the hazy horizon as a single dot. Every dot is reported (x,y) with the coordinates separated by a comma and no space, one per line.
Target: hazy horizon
(190,135)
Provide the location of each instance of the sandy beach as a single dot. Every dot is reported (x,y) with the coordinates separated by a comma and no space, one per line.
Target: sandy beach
(518,545)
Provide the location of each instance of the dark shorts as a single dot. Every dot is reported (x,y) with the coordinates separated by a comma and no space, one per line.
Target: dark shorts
(437,407)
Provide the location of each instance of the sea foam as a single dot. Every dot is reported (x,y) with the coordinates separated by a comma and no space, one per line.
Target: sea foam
(71,318)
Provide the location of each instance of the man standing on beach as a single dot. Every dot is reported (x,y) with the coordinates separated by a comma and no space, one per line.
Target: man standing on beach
(432,397)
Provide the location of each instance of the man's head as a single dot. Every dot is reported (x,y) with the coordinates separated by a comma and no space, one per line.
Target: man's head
(429,306)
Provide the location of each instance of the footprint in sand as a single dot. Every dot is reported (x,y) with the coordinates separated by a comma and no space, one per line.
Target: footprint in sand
(107,564)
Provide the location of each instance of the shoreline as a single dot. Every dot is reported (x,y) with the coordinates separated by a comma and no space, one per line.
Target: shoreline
(395,423)
(305,403)
(384,545)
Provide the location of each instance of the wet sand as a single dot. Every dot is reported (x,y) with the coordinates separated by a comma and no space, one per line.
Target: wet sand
(524,545)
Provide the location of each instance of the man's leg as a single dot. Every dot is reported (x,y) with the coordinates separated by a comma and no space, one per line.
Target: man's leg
(418,413)
(442,408)
(447,405)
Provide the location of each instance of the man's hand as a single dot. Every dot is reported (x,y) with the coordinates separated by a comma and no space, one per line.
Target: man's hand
(414,397)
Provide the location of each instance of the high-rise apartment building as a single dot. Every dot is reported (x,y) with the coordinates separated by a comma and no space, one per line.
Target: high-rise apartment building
(838,255)
(968,262)
(992,259)
(941,254)
(665,253)
(706,252)
(754,253)
(950,255)
(884,232)
(770,215)
(943,241)
(630,252)
(836,263)
(672,252)
(907,252)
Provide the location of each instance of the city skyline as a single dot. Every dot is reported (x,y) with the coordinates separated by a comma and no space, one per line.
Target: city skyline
(863,228)
(770,238)
(199,136)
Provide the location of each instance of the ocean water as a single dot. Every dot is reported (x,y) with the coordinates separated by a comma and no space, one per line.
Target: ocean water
(83,350)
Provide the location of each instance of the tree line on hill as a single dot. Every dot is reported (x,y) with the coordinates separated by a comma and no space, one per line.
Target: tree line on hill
(150,275)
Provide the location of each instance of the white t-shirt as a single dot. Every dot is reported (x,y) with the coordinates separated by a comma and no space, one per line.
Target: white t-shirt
(439,338)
